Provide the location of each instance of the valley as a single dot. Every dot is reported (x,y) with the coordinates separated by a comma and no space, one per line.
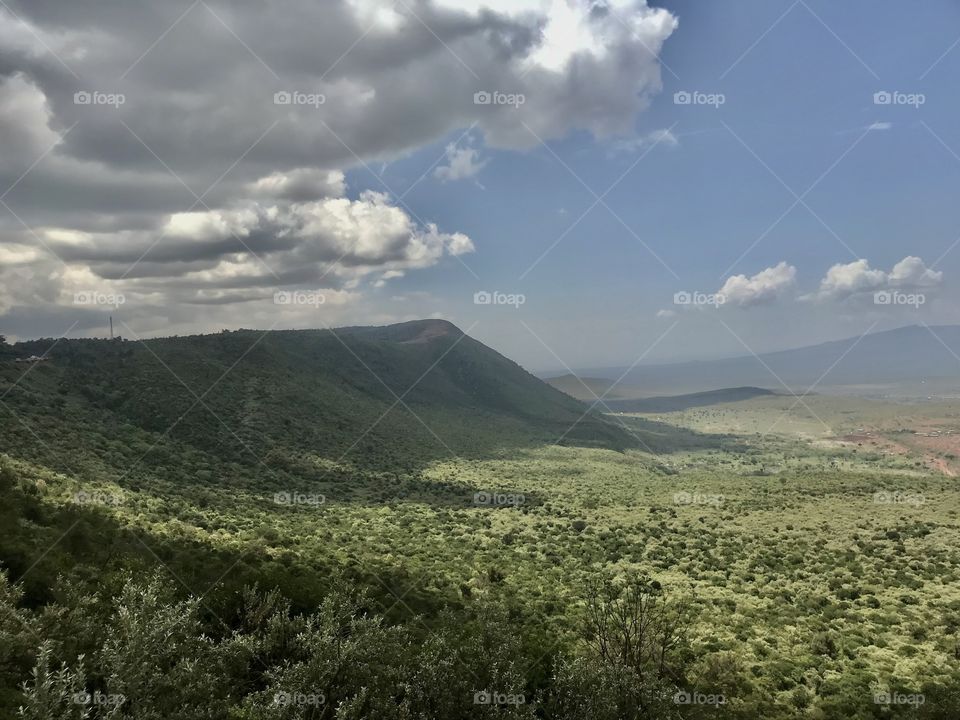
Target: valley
(479,360)
(814,541)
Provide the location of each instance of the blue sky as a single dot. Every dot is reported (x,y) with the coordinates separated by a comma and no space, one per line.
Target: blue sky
(800,96)
(784,170)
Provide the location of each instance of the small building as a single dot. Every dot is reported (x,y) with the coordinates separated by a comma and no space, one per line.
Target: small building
(32,359)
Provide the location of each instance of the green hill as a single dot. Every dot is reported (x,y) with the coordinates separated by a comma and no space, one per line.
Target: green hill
(371,397)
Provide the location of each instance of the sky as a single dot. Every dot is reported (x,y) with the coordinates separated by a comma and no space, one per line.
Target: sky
(577,184)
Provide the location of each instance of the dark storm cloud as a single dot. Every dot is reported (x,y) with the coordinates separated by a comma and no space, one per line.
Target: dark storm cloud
(146,140)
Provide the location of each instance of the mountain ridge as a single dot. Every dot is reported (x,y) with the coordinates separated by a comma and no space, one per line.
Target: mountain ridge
(410,392)
(908,354)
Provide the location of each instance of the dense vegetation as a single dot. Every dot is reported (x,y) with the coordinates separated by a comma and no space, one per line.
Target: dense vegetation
(252,562)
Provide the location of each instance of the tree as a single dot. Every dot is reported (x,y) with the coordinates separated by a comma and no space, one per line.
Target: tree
(638,637)
(8,474)
(636,627)
(54,694)
(18,638)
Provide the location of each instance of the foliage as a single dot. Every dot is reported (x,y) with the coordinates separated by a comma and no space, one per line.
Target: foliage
(421,572)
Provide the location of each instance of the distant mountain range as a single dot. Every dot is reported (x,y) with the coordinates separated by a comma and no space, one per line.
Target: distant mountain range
(662,404)
(913,357)
(590,388)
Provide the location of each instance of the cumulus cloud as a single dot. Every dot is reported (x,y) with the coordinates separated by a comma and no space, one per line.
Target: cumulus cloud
(576,64)
(764,287)
(911,272)
(300,184)
(218,167)
(292,242)
(851,279)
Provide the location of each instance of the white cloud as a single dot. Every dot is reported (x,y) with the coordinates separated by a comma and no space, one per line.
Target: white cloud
(301,184)
(855,278)
(570,29)
(462,163)
(845,280)
(764,287)
(506,7)
(388,275)
(911,272)
(16,254)
(335,240)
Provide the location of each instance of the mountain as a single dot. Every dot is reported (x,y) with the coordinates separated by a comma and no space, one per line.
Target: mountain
(914,357)
(672,403)
(619,397)
(589,389)
(399,395)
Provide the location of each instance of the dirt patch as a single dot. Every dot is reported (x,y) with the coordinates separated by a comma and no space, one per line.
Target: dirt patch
(937,448)
(941,465)
(430,332)
(940,446)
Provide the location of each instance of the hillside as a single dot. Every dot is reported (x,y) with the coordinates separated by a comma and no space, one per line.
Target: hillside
(588,389)
(908,355)
(673,403)
(371,396)
(626,398)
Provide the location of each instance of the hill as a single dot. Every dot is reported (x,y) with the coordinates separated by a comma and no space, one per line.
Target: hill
(361,396)
(673,403)
(912,355)
(588,388)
